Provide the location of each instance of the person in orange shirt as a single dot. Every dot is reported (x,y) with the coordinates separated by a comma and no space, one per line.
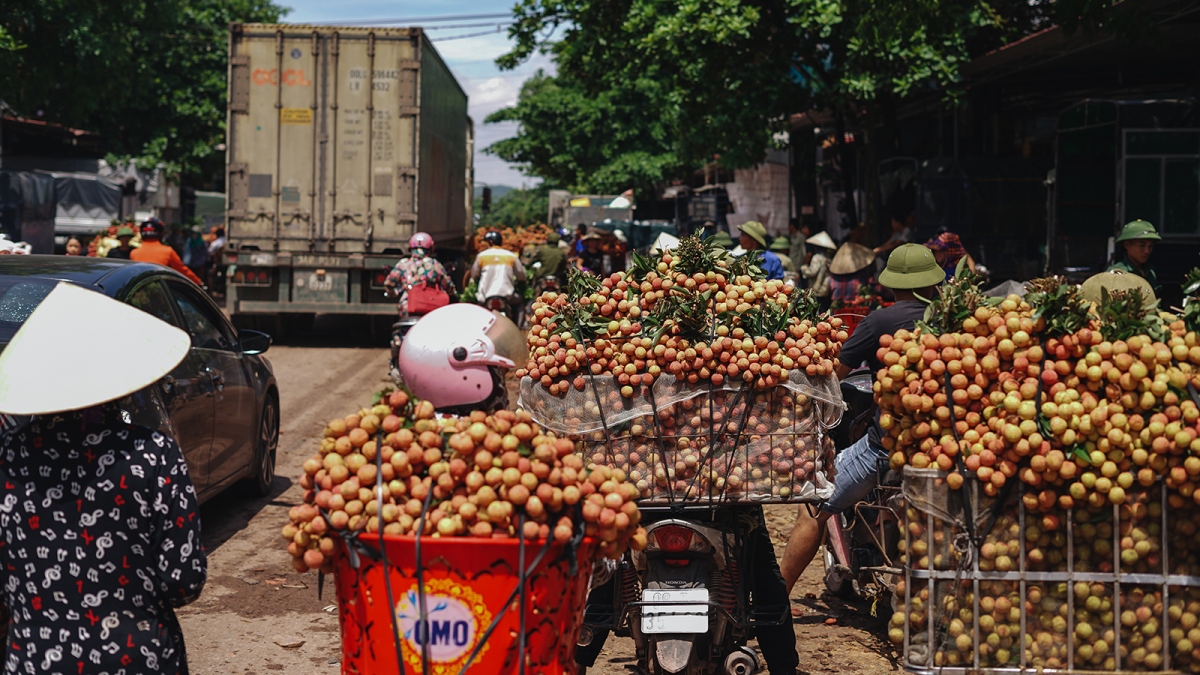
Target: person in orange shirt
(153,250)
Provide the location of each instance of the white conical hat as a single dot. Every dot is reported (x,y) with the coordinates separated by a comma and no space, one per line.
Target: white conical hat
(822,239)
(37,375)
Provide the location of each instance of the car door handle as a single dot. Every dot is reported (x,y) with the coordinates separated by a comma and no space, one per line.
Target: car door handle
(218,379)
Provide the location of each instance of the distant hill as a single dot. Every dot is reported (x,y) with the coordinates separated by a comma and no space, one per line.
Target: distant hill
(498,191)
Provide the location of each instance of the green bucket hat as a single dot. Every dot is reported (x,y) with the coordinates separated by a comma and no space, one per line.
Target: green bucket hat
(722,239)
(1138,229)
(756,230)
(781,244)
(911,266)
(125,232)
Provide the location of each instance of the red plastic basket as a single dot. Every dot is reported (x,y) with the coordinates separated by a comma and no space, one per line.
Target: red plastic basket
(851,316)
(468,582)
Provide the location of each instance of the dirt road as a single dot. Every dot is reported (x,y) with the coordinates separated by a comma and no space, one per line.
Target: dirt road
(257,616)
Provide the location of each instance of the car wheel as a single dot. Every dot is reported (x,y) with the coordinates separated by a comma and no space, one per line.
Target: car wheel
(262,471)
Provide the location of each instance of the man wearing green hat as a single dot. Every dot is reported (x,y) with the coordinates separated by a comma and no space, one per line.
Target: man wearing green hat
(722,239)
(1138,238)
(913,275)
(124,235)
(754,240)
(552,258)
(780,246)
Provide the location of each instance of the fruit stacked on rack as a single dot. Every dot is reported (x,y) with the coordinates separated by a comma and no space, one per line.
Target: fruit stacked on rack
(1049,390)
(482,475)
(693,313)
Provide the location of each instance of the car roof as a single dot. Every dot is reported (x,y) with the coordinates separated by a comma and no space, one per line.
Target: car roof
(109,275)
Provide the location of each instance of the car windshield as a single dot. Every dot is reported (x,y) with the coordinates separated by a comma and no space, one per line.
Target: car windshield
(19,296)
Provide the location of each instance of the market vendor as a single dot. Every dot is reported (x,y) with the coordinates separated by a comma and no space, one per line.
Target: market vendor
(592,257)
(123,249)
(1137,238)
(552,258)
(100,520)
(850,268)
(913,275)
(816,270)
(780,246)
(722,239)
(754,238)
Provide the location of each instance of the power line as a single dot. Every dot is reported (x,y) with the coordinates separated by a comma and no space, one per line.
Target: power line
(468,35)
(471,25)
(412,20)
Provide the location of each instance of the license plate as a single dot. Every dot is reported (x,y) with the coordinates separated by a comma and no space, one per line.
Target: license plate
(672,611)
(321,283)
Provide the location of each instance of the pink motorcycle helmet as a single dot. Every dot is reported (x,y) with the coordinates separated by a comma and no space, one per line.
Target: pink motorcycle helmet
(421,240)
(453,357)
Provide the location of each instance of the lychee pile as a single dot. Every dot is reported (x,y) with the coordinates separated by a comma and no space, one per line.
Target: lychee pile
(477,476)
(1074,425)
(694,314)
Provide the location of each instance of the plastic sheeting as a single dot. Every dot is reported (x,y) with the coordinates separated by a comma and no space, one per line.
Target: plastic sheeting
(27,208)
(681,442)
(85,202)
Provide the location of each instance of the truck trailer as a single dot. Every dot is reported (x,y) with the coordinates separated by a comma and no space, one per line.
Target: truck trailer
(341,143)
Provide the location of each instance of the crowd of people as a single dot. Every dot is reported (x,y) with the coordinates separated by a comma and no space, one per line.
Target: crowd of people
(193,251)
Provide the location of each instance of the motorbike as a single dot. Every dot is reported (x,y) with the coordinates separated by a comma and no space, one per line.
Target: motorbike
(861,546)
(686,599)
(400,328)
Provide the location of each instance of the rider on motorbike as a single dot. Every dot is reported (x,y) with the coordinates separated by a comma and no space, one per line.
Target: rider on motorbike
(552,258)
(497,270)
(912,273)
(419,268)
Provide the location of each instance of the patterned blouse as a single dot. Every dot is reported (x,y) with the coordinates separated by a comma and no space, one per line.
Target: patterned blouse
(100,540)
(420,268)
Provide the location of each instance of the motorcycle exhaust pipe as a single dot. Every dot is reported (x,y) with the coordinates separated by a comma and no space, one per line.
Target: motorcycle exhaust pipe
(742,662)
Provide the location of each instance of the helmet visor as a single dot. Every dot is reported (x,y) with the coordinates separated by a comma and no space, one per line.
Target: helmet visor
(508,340)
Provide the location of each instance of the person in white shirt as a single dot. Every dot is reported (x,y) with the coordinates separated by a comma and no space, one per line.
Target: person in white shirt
(497,270)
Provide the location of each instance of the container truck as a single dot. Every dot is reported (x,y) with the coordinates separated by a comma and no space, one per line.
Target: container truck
(341,143)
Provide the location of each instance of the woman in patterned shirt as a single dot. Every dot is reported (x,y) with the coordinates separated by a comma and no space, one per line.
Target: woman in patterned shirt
(99,522)
(419,268)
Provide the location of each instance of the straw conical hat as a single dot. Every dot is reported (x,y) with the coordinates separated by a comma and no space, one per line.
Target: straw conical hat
(821,239)
(37,378)
(851,258)
(1092,289)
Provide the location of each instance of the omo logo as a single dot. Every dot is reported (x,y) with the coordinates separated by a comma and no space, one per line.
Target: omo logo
(456,617)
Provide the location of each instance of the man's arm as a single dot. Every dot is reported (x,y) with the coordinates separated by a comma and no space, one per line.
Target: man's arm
(475,269)
(519,270)
(176,264)
(859,348)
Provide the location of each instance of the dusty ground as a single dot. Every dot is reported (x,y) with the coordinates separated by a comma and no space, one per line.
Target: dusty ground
(832,636)
(257,616)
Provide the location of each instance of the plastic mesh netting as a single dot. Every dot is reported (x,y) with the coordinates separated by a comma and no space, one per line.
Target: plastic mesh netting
(681,442)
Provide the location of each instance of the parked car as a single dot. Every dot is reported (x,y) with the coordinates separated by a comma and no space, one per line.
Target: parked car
(221,404)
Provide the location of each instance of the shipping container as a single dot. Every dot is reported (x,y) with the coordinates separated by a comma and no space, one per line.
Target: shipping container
(341,144)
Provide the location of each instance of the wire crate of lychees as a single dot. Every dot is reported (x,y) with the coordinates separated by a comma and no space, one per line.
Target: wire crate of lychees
(693,373)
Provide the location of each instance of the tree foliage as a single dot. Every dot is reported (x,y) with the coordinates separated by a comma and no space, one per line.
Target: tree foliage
(729,73)
(147,75)
(590,141)
(516,208)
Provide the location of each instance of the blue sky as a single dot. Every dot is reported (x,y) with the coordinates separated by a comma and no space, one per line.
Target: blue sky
(472,59)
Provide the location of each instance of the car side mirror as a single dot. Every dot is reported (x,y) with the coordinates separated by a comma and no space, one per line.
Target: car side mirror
(254,342)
